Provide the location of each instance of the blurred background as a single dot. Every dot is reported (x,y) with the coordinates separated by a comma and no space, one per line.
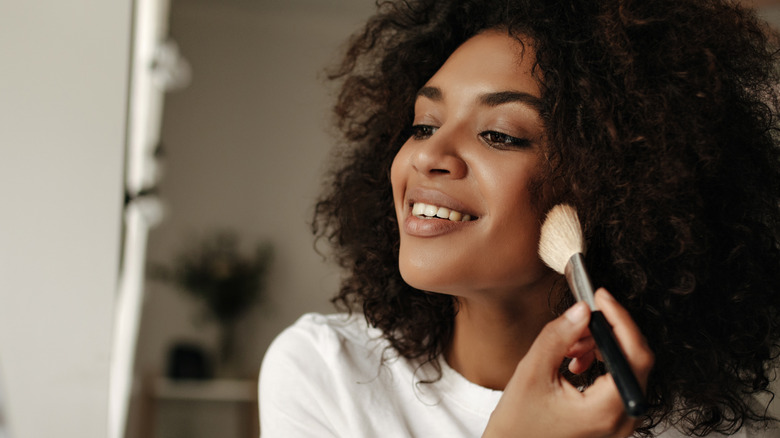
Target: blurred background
(156,154)
(243,147)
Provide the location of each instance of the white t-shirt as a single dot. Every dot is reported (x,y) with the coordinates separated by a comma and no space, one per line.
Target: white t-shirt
(322,377)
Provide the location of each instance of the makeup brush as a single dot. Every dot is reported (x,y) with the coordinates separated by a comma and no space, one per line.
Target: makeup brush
(562,248)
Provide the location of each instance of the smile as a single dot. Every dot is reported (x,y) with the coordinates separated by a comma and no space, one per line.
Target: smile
(428,211)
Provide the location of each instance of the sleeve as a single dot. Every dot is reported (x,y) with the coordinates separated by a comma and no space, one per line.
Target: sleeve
(295,398)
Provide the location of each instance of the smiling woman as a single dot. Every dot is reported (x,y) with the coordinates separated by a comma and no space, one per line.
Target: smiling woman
(464,123)
(474,149)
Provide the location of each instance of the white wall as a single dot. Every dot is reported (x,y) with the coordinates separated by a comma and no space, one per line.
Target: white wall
(63,86)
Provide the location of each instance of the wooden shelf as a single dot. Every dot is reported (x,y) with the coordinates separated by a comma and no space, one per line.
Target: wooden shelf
(171,407)
(216,390)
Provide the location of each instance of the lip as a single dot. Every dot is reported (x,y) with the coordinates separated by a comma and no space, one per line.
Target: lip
(431,227)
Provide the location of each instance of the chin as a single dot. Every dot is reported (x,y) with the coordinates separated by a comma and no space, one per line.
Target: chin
(427,280)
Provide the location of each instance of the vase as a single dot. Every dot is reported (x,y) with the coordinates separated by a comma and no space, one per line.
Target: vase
(227,366)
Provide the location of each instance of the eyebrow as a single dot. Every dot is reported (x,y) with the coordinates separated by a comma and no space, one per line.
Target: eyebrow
(489,99)
(433,93)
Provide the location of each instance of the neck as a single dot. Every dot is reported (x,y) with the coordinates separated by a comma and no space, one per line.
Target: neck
(491,336)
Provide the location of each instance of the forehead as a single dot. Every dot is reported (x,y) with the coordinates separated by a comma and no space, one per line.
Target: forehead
(490,61)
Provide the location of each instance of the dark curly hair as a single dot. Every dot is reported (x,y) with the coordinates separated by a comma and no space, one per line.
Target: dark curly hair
(662,124)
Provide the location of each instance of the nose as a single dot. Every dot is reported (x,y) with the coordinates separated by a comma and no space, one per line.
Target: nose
(439,156)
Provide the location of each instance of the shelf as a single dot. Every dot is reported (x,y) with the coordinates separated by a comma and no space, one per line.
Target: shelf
(217,390)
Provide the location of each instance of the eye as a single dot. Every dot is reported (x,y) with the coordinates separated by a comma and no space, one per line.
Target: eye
(500,140)
(421,132)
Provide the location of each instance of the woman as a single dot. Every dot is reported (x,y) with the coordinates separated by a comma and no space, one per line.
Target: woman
(464,122)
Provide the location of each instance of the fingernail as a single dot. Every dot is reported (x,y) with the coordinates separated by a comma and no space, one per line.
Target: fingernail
(576,313)
(607,295)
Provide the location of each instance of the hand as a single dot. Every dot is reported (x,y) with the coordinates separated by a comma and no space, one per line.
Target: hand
(539,401)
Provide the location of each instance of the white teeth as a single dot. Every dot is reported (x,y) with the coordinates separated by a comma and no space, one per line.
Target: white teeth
(429,211)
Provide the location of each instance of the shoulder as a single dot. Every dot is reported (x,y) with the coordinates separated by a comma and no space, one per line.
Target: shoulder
(324,337)
(310,369)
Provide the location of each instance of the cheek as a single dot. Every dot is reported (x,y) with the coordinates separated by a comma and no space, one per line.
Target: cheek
(398,181)
(514,236)
(514,248)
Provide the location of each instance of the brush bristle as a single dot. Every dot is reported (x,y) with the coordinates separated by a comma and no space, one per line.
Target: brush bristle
(561,237)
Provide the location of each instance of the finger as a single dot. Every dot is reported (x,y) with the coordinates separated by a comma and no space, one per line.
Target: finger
(610,410)
(627,334)
(618,317)
(581,347)
(634,347)
(580,364)
(612,414)
(555,339)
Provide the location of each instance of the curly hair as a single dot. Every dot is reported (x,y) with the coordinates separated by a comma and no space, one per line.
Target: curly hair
(662,125)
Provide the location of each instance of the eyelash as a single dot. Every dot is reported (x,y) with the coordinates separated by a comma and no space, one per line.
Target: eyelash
(500,140)
(494,139)
(421,132)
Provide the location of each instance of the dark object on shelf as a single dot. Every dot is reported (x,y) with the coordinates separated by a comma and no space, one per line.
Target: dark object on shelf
(188,361)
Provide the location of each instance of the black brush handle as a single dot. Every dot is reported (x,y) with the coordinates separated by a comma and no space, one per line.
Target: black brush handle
(617,365)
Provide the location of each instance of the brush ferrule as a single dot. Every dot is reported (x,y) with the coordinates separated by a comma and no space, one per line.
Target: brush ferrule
(579,282)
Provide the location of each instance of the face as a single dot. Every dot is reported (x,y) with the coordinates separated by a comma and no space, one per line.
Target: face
(460,182)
